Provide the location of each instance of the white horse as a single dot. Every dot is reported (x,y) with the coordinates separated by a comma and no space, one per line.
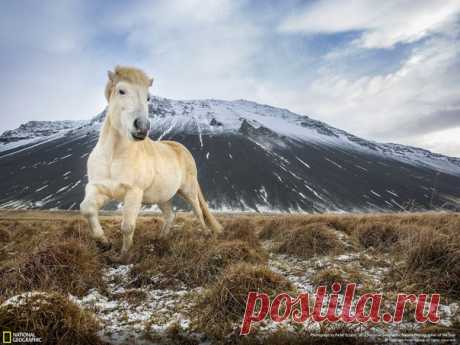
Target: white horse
(126,165)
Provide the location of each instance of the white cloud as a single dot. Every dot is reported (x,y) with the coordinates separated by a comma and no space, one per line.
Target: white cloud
(424,84)
(392,106)
(49,71)
(445,141)
(384,23)
(194,49)
(70,87)
(417,103)
(52,29)
(55,66)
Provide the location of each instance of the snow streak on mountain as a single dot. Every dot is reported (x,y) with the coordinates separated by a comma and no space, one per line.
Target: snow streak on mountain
(250,157)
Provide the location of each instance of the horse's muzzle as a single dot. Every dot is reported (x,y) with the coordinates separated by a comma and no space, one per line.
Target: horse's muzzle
(141,128)
(139,136)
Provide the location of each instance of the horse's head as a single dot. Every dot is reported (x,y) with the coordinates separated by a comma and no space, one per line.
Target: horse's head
(127,92)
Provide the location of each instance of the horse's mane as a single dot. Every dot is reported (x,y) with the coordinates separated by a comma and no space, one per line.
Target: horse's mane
(129,74)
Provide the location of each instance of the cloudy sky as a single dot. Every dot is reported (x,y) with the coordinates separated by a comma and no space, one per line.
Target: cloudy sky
(384,70)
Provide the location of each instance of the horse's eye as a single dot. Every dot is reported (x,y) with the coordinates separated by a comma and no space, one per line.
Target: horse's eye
(148,98)
(121,92)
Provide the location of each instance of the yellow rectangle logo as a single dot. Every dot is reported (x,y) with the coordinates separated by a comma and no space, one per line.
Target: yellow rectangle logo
(6,337)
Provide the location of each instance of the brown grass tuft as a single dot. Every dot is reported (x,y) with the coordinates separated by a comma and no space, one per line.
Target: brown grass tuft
(4,234)
(193,258)
(173,335)
(378,235)
(69,266)
(242,230)
(273,228)
(224,302)
(329,276)
(342,223)
(227,253)
(433,260)
(53,318)
(310,240)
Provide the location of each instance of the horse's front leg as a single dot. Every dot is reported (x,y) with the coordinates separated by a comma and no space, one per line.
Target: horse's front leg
(131,207)
(94,200)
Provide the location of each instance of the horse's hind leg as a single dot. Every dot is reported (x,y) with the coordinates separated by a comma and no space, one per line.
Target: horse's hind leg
(198,213)
(89,208)
(169,215)
(190,194)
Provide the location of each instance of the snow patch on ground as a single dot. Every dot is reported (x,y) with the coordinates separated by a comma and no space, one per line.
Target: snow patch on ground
(127,320)
(301,273)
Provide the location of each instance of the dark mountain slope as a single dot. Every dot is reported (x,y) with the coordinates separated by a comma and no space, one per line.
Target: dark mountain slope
(249,156)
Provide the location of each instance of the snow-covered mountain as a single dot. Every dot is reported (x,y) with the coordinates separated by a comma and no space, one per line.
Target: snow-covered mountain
(37,129)
(250,157)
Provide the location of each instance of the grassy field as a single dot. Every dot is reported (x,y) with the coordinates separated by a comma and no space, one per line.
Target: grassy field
(191,289)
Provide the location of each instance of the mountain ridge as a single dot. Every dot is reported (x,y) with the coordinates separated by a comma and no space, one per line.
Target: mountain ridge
(250,156)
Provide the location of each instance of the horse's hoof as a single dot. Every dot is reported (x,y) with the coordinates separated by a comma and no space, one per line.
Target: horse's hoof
(164,235)
(209,235)
(123,259)
(219,230)
(104,246)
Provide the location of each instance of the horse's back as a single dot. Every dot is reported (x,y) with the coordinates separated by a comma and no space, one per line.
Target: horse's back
(175,145)
(183,155)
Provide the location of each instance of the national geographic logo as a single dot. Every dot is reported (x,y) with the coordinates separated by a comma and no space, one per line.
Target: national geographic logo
(6,337)
(20,337)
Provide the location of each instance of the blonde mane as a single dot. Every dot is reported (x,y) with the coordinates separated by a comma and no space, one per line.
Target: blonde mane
(129,74)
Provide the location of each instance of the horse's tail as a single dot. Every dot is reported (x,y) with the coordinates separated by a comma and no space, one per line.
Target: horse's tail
(209,218)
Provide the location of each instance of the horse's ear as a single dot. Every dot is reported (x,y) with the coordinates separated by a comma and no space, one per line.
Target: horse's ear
(151,82)
(111,75)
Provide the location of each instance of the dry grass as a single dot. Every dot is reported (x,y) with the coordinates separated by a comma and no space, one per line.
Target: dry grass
(310,240)
(174,335)
(51,317)
(329,276)
(69,266)
(4,235)
(432,261)
(274,228)
(52,252)
(377,235)
(193,259)
(224,302)
(241,229)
